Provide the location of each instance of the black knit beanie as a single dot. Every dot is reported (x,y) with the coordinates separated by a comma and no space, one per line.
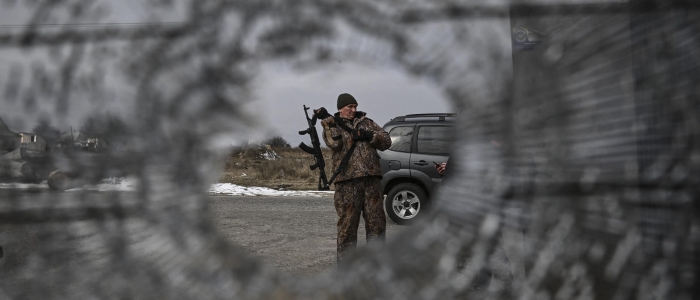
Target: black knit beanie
(345,99)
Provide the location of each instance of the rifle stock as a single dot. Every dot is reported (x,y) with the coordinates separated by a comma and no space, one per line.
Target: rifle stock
(315,150)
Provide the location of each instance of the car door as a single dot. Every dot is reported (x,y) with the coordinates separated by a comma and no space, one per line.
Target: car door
(431,145)
(395,161)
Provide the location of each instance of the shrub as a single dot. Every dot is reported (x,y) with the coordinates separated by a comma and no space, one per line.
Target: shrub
(277,142)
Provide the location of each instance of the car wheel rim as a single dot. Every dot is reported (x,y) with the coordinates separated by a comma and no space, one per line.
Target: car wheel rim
(406,205)
(520,36)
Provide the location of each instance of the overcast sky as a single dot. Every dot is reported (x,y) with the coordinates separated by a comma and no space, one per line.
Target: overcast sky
(381,93)
(279,92)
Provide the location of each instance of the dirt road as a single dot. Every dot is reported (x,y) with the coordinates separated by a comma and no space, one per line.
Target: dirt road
(294,234)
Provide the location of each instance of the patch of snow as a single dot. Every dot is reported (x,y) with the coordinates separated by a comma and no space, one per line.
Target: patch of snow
(269,155)
(237,190)
(24,186)
(111,184)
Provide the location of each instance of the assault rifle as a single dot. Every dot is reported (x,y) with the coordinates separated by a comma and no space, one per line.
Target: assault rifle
(323,184)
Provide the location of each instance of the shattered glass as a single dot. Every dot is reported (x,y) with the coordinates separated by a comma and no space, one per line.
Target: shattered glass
(574,174)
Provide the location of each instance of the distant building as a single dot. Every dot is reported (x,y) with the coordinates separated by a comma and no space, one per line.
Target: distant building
(32,141)
(72,139)
(81,141)
(9,140)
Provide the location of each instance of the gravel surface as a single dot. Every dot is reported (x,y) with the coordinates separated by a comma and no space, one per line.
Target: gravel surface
(294,234)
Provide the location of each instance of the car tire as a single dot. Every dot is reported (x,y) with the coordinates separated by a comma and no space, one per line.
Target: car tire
(520,35)
(406,202)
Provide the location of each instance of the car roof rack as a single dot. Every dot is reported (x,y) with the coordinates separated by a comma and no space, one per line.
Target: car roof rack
(440,116)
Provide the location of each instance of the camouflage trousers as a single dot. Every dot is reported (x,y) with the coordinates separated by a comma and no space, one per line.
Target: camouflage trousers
(352,198)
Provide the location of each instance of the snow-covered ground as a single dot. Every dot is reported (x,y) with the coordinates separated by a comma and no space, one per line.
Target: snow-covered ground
(129,184)
(232,189)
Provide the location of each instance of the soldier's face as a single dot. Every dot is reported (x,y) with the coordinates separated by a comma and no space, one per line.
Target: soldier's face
(348,111)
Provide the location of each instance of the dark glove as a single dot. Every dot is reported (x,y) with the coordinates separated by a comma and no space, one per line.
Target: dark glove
(321,113)
(362,135)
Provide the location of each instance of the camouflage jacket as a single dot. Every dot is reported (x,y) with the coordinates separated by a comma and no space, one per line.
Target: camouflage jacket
(364,160)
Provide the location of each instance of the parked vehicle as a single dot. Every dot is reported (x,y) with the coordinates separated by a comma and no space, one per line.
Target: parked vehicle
(418,141)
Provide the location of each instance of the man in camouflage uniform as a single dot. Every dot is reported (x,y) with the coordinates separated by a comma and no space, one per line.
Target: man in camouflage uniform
(357,185)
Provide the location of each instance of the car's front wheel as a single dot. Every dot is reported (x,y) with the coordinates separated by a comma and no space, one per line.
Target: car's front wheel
(405,202)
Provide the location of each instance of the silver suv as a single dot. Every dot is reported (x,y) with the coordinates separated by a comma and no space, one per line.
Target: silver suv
(408,166)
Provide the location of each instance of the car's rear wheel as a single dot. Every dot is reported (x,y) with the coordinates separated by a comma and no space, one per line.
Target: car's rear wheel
(405,202)
(520,35)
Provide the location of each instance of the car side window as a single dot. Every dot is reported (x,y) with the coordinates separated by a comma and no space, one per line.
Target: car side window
(401,138)
(434,139)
